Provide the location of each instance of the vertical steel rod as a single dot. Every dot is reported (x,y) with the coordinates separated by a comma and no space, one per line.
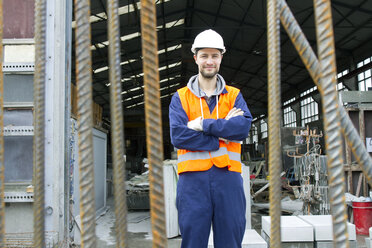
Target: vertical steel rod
(85,122)
(331,120)
(273,47)
(154,134)
(39,123)
(311,62)
(2,167)
(117,127)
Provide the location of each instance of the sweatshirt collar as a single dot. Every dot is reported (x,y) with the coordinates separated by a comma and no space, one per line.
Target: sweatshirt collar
(193,85)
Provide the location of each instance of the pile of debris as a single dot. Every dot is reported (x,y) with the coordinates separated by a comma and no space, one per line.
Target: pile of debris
(138,190)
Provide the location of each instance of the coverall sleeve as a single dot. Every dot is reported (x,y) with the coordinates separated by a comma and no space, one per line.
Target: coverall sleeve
(236,128)
(183,137)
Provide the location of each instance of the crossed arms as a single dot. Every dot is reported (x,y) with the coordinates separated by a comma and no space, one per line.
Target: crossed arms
(234,128)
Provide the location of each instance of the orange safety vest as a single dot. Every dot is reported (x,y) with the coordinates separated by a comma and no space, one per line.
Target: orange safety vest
(227,154)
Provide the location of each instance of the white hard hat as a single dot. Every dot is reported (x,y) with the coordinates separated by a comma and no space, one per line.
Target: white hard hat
(208,39)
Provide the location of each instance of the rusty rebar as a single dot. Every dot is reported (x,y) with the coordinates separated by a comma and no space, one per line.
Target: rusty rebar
(117,127)
(85,122)
(39,120)
(331,120)
(311,62)
(154,134)
(2,166)
(273,52)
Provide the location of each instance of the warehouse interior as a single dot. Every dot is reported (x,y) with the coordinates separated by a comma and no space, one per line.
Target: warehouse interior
(242,24)
(243,27)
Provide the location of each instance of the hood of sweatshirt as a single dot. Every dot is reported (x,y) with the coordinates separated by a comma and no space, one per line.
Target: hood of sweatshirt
(193,85)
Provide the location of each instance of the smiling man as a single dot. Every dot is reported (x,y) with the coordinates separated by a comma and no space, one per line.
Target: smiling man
(208,119)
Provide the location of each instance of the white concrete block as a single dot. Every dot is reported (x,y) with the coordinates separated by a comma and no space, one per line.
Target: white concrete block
(323,228)
(170,192)
(292,229)
(247,193)
(251,239)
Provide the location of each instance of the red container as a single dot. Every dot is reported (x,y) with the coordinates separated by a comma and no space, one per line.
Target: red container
(362,212)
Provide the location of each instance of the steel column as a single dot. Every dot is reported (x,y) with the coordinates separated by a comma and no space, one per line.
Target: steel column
(39,123)
(154,134)
(331,120)
(2,166)
(117,126)
(85,122)
(273,48)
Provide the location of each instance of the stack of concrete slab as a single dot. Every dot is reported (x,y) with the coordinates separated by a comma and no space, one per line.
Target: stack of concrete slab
(251,239)
(170,191)
(295,232)
(306,231)
(323,230)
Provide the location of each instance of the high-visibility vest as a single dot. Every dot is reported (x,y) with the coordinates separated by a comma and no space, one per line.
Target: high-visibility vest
(227,154)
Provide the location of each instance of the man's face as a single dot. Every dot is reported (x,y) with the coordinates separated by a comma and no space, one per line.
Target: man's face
(208,61)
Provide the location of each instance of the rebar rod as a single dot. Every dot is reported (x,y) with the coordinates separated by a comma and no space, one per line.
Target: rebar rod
(273,47)
(311,62)
(154,134)
(117,127)
(331,120)
(85,122)
(2,166)
(39,123)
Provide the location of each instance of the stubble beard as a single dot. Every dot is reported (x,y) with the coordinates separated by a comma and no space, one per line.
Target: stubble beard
(209,75)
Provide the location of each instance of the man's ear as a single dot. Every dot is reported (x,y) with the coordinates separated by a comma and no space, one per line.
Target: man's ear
(195,58)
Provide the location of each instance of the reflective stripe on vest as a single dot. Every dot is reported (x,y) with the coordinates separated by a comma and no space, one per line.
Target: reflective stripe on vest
(227,154)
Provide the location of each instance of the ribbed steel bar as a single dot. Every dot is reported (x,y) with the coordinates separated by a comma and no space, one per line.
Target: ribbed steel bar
(117,127)
(331,120)
(311,62)
(85,122)
(2,204)
(39,121)
(273,48)
(154,134)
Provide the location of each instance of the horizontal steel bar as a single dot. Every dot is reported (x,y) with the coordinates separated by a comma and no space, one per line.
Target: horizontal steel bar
(18,197)
(19,131)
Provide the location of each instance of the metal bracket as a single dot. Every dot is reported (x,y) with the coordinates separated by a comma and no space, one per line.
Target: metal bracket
(18,197)
(19,67)
(19,131)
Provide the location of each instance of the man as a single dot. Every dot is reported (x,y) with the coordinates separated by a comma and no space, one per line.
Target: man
(207,121)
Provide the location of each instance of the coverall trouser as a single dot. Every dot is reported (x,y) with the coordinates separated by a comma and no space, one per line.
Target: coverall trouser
(213,197)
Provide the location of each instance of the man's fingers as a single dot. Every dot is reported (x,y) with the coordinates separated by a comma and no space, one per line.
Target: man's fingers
(241,112)
(230,112)
(228,116)
(236,113)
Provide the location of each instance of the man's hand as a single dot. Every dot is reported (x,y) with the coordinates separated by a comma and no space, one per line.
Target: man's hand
(233,113)
(196,124)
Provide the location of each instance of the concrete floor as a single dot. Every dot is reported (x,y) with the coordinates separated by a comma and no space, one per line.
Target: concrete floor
(139,229)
